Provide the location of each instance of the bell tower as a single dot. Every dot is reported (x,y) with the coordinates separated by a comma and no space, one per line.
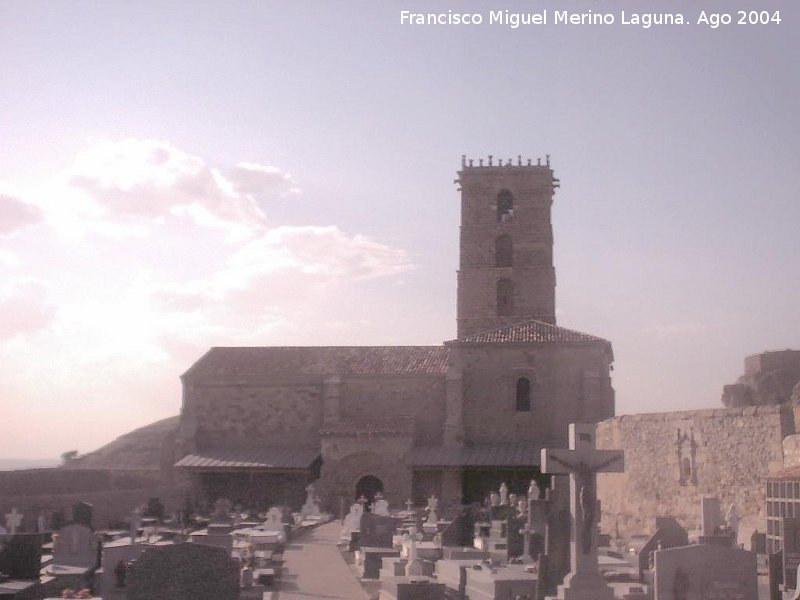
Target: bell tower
(506,268)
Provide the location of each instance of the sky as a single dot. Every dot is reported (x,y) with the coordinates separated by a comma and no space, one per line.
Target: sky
(181,175)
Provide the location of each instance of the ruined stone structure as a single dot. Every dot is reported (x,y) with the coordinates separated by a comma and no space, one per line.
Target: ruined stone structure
(769,378)
(453,420)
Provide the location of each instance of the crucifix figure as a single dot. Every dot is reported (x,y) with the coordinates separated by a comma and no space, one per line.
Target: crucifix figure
(13,520)
(582,462)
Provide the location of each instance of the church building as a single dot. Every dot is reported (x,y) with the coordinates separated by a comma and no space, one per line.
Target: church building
(455,420)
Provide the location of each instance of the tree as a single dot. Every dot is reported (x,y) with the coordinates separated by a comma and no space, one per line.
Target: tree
(68,456)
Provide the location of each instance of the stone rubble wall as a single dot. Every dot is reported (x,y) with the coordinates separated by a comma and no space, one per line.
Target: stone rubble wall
(736,449)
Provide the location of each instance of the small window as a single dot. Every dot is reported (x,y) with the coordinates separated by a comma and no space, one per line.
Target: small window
(686,465)
(503,251)
(505,298)
(505,206)
(523,394)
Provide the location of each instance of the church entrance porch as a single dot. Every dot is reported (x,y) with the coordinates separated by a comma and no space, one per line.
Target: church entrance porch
(478,483)
(469,473)
(368,487)
(258,491)
(254,478)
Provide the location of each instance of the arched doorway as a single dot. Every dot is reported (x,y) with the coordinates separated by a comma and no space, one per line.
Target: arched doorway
(368,486)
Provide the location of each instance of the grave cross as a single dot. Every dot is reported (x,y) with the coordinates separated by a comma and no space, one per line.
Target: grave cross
(13,520)
(409,505)
(582,462)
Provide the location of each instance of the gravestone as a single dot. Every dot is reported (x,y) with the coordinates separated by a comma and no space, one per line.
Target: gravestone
(222,512)
(375,543)
(732,522)
(136,521)
(669,534)
(82,514)
(352,521)
(75,546)
(461,531)
(21,556)
(13,521)
(535,524)
(705,572)
(758,542)
(790,526)
(381,507)
(507,581)
(775,572)
(274,520)
(710,516)
(58,521)
(582,462)
(376,531)
(183,572)
(407,588)
(433,518)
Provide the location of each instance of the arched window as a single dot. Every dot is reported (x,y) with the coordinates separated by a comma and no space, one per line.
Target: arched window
(503,251)
(505,206)
(505,298)
(523,394)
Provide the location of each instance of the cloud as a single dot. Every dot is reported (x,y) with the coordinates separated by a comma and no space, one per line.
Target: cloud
(24,308)
(258,180)
(286,266)
(16,214)
(143,180)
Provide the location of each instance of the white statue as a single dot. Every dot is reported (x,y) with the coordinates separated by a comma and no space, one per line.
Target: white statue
(311,507)
(503,494)
(433,503)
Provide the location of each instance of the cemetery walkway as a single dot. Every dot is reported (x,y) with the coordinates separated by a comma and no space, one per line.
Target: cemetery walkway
(314,568)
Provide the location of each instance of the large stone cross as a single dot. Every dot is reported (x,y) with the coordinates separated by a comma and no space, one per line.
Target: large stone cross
(582,462)
(13,520)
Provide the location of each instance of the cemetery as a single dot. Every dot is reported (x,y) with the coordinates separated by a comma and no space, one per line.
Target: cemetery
(545,544)
(491,467)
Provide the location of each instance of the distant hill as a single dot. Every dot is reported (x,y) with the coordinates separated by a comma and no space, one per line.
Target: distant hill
(12,464)
(139,449)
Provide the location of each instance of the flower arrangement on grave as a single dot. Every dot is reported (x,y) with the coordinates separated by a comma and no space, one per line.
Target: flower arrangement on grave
(70,593)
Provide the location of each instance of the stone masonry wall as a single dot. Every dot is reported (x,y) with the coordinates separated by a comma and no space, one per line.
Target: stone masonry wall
(387,397)
(258,415)
(571,384)
(734,450)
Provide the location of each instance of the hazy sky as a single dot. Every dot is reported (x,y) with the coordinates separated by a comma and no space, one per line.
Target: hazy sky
(178,175)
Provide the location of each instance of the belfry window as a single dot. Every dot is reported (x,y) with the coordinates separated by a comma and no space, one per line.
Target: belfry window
(503,251)
(505,298)
(505,206)
(523,394)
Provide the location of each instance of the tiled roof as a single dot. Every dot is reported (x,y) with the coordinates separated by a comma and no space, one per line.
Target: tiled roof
(521,454)
(250,458)
(530,331)
(322,360)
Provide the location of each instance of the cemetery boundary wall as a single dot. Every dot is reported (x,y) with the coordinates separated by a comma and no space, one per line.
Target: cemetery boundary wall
(31,482)
(114,493)
(674,459)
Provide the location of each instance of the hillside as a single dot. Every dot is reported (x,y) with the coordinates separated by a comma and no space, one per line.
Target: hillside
(139,449)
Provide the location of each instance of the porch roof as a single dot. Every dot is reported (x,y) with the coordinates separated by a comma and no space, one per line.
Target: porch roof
(520,454)
(250,458)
